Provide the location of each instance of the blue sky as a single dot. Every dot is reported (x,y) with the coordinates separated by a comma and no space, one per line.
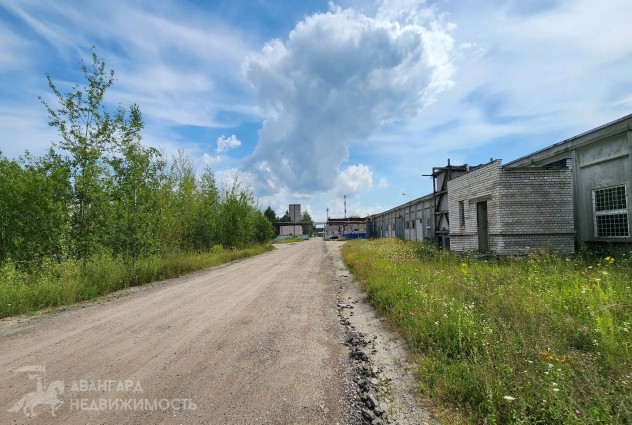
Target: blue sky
(312,100)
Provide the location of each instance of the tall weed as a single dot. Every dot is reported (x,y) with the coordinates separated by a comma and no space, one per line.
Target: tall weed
(537,340)
(53,284)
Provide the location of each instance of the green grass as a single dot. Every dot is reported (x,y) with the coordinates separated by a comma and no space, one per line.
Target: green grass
(536,340)
(288,240)
(55,284)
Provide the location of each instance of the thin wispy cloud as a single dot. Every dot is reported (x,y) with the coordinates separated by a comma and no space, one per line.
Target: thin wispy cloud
(175,67)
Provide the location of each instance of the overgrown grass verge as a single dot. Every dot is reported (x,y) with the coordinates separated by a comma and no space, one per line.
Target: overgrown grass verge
(536,340)
(55,284)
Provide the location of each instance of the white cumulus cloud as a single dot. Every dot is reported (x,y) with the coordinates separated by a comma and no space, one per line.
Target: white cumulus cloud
(355,178)
(338,78)
(225,144)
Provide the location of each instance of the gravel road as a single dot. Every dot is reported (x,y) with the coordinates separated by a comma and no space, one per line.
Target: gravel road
(257,341)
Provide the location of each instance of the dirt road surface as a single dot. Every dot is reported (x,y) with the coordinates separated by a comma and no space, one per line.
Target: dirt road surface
(257,341)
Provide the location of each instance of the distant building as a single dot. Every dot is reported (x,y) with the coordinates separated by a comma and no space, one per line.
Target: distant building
(420,219)
(293,227)
(291,230)
(350,228)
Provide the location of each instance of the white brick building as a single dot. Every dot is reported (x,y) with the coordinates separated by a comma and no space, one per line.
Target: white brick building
(511,210)
(574,193)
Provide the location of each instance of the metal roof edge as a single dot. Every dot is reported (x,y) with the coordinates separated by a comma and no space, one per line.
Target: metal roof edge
(571,139)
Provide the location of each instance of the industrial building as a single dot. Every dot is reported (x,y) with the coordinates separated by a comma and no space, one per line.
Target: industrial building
(295,226)
(350,228)
(290,230)
(511,210)
(572,194)
(424,218)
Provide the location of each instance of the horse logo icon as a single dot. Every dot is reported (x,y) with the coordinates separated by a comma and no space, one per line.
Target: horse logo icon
(49,396)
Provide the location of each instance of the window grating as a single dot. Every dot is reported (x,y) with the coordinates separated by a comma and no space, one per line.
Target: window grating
(611,212)
(612,225)
(612,198)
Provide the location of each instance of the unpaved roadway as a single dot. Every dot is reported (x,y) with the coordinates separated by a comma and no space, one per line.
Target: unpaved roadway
(257,341)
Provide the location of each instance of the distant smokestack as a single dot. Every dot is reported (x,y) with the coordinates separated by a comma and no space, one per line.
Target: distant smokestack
(345,206)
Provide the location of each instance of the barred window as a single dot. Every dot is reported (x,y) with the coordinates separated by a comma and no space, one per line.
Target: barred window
(462,213)
(610,207)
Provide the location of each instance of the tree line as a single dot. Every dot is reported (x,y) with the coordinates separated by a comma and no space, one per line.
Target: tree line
(98,190)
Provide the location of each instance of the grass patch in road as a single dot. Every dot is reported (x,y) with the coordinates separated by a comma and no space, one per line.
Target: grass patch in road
(289,240)
(541,339)
(54,284)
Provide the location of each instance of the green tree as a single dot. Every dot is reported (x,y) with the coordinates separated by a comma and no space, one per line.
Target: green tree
(104,193)
(270,215)
(264,230)
(34,195)
(286,217)
(134,201)
(89,132)
(307,224)
(272,218)
(185,201)
(207,219)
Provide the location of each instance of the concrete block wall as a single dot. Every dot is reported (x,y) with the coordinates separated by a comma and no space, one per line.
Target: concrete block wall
(479,184)
(521,244)
(536,209)
(528,208)
(410,212)
(543,196)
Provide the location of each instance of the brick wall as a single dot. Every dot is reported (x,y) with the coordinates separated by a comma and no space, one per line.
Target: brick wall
(481,183)
(527,208)
(536,209)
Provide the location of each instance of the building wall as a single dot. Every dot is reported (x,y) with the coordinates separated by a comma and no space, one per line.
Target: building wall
(479,185)
(410,221)
(600,158)
(291,230)
(295,213)
(527,208)
(345,227)
(536,209)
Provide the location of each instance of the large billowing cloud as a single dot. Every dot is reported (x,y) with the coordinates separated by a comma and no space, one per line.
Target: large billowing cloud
(339,77)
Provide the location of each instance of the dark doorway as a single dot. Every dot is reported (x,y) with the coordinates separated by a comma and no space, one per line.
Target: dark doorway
(399,228)
(483,230)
